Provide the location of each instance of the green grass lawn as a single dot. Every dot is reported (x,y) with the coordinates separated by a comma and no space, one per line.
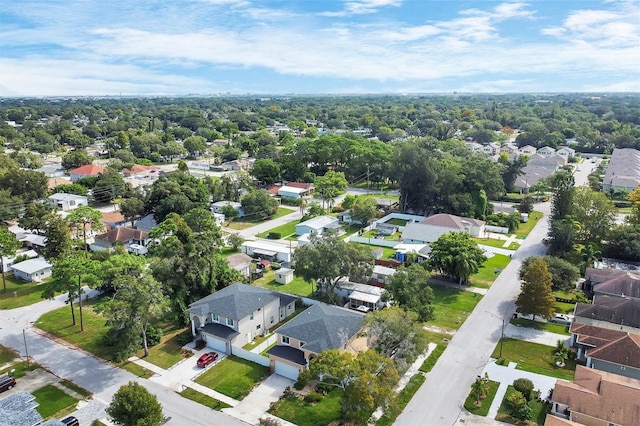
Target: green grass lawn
(482,410)
(295,410)
(228,251)
(234,377)
(534,358)
(491,242)
(203,399)
(7,355)
(397,222)
(298,286)
(451,306)
(167,352)
(546,326)
(78,389)
(284,230)
(401,400)
(53,401)
(19,369)
(245,222)
(19,293)
(525,228)
(564,307)
(539,409)
(487,273)
(433,357)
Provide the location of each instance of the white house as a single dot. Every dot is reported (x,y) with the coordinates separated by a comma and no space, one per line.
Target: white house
(291,192)
(361,297)
(566,152)
(85,171)
(32,270)
(65,202)
(7,261)
(381,275)
(474,146)
(430,229)
(218,207)
(240,262)
(491,148)
(546,150)
(284,276)
(317,225)
(528,150)
(267,250)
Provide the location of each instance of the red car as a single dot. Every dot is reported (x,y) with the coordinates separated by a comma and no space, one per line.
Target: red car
(207,359)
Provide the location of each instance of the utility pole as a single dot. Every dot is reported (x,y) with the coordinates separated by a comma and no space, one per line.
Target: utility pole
(26,351)
(367,179)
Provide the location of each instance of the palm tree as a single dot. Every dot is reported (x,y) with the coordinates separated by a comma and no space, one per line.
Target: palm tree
(590,254)
(464,266)
(561,354)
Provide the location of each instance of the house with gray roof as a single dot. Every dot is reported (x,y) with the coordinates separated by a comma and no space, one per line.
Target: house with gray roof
(235,315)
(318,328)
(317,225)
(30,270)
(612,283)
(623,172)
(430,229)
(614,313)
(19,409)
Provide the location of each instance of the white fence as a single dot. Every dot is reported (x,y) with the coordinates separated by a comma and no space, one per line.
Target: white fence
(250,356)
(264,345)
(401,216)
(496,229)
(374,241)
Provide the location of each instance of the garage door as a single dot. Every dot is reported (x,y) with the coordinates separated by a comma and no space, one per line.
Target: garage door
(286,370)
(216,344)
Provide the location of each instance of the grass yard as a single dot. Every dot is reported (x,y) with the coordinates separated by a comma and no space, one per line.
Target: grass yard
(284,230)
(234,377)
(243,222)
(451,306)
(397,222)
(7,355)
(298,286)
(19,293)
(487,273)
(564,307)
(545,326)
(491,242)
(482,410)
(203,399)
(534,358)
(167,352)
(539,410)
(295,410)
(396,236)
(53,401)
(433,357)
(401,400)
(80,390)
(525,228)
(19,369)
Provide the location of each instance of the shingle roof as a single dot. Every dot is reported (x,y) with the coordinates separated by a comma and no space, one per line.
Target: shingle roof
(319,222)
(602,395)
(614,282)
(552,420)
(614,310)
(237,301)
(623,351)
(19,410)
(450,221)
(122,234)
(323,327)
(624,168)
(238,259)
(594,336)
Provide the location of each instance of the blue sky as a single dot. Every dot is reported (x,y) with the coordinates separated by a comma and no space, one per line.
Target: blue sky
(179,47)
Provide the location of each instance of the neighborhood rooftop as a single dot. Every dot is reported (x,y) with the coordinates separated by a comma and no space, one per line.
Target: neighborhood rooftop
(32,265)
(451,221)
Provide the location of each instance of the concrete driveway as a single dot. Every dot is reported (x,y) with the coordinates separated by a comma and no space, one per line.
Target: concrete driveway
(256,404)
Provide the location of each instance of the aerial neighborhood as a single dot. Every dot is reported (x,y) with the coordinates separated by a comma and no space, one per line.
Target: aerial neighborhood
(320,260)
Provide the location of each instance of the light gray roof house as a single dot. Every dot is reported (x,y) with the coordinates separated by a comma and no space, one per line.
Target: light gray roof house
(623,171)
(323,327)
(19,409)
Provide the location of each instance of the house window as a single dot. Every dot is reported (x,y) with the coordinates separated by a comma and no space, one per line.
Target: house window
(216,318)
(285,340)
(271,319)
(300,344)
(229,322)
(258,326)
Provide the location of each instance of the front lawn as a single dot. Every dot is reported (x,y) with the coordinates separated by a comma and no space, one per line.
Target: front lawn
(19,369)
(19,293)
(482,410)
(295,410)
(53,401)
(246,222)
(234,377)
(167,352)
(564,307)
(203,399)
(284,230)
(433,357)
(525,228)
(489,271)
(545,326)
(298,286)
(539,410)
(401,400)
(7,355)
(534,358)
(451,306)
(491,242)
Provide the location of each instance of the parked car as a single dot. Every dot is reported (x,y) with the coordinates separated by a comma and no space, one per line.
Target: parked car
(207,359)
(561,319)
(6,382)
(70,421)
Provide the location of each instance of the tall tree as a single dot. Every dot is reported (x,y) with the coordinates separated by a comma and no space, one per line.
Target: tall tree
(9,244)
(266,170)
(634,217)
(83,217)
(409,288)
(364,209)
(259,204)
(562,183)
(34,217)
(131,208)
(330,186)
(536,297)
(455,255)
(134,405)
(564,274)
(58,237)
(595,214)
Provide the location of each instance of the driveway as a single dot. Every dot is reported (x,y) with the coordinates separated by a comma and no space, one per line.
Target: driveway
(256,404)
(535,336)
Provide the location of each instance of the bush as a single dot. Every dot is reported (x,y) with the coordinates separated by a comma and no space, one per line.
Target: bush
(313,397)
(275,266)
(515,402)
(154,335)
(524,386)
(200,344)
(299,385)
(524,413)
(274,235)
(185,337)
(292,201)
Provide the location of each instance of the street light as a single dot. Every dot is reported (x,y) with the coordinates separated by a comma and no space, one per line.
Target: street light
(502,331)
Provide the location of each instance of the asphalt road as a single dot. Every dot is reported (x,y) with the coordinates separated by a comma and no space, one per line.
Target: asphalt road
(440,400)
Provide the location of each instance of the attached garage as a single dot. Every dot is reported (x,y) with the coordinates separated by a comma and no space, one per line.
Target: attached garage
(286,370)
(215,343)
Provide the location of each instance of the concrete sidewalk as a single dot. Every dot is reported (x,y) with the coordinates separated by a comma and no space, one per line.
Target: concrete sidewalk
(252,408)
(535,336)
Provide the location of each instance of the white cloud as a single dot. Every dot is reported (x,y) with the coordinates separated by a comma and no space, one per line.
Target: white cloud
(362,7)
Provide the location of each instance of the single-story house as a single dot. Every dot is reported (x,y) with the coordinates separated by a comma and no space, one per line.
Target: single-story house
(430,229)
(302,185)
(19,409)
(113,220)
(528,150)
(623,172)
(386,228)
(85,171)
(236,314)
(404,250)
(126,236)
(284,275)
(566,152)
(318,328)
(33,241)
(362,297)
(345,217)
(317,225)
(32,270)
(65,202)
(268,250)
(240,262)
(381,275)
(139,169)
(7,261)
(291,192)
(218,207)
(597,398)
(51,170)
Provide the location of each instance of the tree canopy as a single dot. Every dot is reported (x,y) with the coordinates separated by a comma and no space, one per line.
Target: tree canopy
(134,405)
(536,297)
(455,255)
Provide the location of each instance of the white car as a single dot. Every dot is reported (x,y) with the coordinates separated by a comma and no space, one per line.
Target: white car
(561,319)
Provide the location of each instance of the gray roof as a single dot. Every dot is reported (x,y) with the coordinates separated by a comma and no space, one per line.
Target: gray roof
(19,409)
(615,310)
(220,330)
(289,353)
(319,222)
(624,168)
(237,301)
(32,265)
(323,327)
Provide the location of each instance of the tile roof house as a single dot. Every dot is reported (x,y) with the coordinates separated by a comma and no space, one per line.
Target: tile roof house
(126,236)
(139,169)
(113,220)
(614,313)
(597,398)
(623,172)
(430,229)
(84,171)
(236,314)
(319,328)
(612,282)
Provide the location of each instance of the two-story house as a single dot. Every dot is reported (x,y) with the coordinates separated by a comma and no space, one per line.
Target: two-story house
(318,328)
(236,314)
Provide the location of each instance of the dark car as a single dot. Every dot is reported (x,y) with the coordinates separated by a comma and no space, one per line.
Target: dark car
(6,382)
(207,359)
(70,421)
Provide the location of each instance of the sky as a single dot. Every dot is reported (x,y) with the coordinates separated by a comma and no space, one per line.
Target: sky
(211,47)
